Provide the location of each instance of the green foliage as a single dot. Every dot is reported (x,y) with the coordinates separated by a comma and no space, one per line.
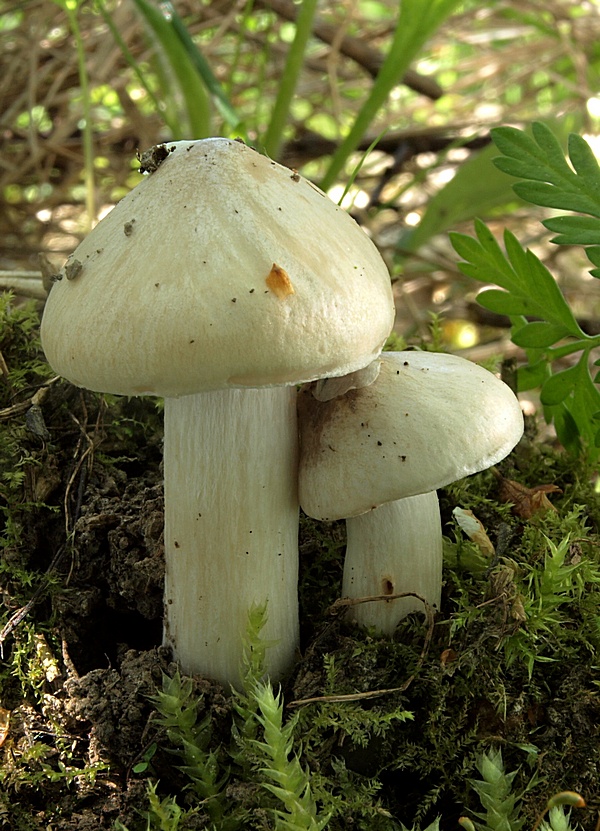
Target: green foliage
(190,739)
(494,790)
(545,601)
(501,804)
(287,780)
(199,88)
(290,75)
(550,595)
(416,23)
(161,22)
(558,820)
(570,396)
(71,8)
(20,348)
(261,750)
(163,814)
(262,758)
(477,188)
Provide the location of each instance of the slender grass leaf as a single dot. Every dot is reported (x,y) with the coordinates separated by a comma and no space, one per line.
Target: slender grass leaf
(135,66)
(190,84)
(203,67)
(556,388)
(539,335)
(574,230)
(416,23)
(289,78)
(357,169)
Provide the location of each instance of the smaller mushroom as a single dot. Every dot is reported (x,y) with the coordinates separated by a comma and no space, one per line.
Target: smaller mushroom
(425,421)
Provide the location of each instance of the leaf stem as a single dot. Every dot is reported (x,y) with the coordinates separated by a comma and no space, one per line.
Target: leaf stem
(558,352)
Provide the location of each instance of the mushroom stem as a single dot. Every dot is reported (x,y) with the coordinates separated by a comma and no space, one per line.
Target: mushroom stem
(392,549)
(231,526)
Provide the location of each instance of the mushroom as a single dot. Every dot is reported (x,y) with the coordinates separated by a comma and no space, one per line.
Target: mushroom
(221,282)
(426,420)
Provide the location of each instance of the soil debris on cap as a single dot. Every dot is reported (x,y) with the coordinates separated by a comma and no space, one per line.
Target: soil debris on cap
(150,160)
(73,269)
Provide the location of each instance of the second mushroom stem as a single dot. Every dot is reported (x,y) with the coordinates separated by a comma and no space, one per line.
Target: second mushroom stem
(231,526)
(392,549)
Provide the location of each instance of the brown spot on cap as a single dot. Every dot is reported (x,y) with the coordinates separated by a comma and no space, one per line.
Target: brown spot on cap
(279,282)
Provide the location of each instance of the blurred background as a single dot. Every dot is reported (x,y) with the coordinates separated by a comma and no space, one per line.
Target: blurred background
(390,112)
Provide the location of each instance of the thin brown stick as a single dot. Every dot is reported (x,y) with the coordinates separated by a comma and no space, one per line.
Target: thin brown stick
(343,603)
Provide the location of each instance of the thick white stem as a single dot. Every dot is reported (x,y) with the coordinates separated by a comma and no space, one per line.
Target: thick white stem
(392,549)
(231,526)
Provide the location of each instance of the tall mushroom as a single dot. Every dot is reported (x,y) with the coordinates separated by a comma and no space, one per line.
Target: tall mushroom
(221,282)
(426,420)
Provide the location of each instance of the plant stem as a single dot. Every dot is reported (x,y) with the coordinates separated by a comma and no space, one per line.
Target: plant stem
(417,21)
(289,79)
(556,353)
(88,145)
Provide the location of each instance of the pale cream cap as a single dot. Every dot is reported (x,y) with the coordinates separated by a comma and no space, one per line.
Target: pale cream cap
(221,269)
(427,420)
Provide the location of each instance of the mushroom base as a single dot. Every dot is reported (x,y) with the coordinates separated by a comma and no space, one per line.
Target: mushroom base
(393,549)
(231,527)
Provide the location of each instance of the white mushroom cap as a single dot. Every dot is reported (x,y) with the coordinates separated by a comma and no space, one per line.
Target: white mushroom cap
(221,269)
(427,420)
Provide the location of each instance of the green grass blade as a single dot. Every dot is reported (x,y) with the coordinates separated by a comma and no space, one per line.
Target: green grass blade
(71,9)
(189,82)
(417,21)
(289,79)
(133,63)
(202,66)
